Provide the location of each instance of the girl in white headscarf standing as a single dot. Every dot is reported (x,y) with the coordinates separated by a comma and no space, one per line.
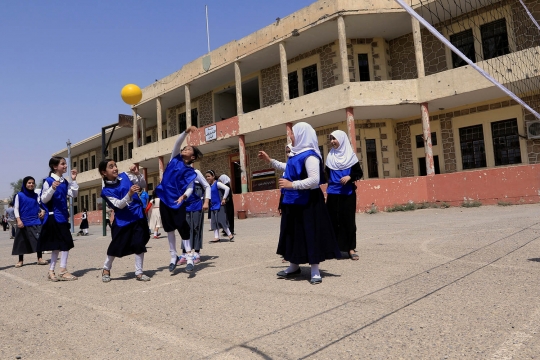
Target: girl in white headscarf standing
(229,204)
(306,234)
(342,170)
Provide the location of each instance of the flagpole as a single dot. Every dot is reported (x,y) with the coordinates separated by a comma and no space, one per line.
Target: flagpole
(207,31)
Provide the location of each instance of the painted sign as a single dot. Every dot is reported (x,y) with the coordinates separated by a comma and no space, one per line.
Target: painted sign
(210,133)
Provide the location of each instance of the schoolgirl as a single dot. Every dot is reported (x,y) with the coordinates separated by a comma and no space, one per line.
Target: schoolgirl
(28,215)
(306,234)
(218,197)
(83,228)
(196,205)
(130,232)
(342,169)
(55,233)
(177,178)
(229,203)
(155,217)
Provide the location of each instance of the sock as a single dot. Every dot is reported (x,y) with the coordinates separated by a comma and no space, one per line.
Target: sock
(39,255)
(172,246)
(108,262)
(189,257)
(155,233)
(85,231)
(292,268)
(227,231)
(216,234)
(315,270)
(139,258)
(54,258)
(63,260)
(187,245)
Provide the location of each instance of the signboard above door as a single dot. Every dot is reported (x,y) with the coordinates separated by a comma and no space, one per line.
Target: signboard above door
(210,133)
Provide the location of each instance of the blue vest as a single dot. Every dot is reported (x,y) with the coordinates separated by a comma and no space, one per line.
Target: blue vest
(176,178)
(296,170)
(195,201)
(58,203)
(28,209)
(335,187)
(215,198)
(133,211)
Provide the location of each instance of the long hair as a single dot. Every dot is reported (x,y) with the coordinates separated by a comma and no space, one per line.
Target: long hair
(55,161)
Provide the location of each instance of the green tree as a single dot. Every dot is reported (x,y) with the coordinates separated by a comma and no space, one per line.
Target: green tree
(16,186)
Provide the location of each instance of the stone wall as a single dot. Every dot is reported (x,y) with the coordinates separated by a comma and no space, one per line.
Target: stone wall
(204,108)
(526,34)
(275,149)
(218,162)
(434,53)
(328,61)
(271,85)
(533,145)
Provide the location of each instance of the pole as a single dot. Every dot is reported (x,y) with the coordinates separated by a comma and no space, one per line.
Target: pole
(70,198)
(207,31)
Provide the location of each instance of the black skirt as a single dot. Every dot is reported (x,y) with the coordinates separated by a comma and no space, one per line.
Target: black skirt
(84,224)
(342,210)
(172,219)
(306,234)
(26,240)
(55,236)
(129,239)
(195,220)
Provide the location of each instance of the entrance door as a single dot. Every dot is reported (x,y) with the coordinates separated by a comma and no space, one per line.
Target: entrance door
(371,157)
(236,172)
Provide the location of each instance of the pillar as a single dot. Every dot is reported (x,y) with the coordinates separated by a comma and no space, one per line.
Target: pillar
(238,83)
(243,163)
(342,36)
(143,131)
(284,72)
(418,53)
(145,176)
(187,93)
(159,119)
(135,127)
(289,132)
(161,167)
(351,129)
(426,130)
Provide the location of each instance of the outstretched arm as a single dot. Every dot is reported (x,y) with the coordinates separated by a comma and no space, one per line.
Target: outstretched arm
(178,144)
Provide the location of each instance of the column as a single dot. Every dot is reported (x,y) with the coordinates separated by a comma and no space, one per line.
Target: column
(159,119)
(351,130)
(143,131)
(426,130)
(238,83)
(135,127)
(188,105)
(145,175)
(284,72)
(161,167)
(289,132)
(343,50)
(418,53)
(243,163)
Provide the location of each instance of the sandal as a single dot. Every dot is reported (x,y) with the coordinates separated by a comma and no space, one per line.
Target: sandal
(19,264)
(42,262)
(231,239)
(52,276)
(142,277)
(62,276)
(354,256)
(106,277)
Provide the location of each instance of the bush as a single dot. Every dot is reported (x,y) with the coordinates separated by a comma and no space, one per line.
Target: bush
(471,203)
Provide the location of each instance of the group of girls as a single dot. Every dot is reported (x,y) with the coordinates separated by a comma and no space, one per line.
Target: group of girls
(308,233)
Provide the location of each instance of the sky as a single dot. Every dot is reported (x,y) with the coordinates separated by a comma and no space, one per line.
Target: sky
(63,64)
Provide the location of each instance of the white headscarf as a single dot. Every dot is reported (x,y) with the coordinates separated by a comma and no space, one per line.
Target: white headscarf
(224,179)
(343,157)
(305,138)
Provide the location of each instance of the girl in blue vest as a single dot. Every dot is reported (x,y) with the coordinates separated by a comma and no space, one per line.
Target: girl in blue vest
(218,197)
(342,169)
(306,234)
(55,233)
(129,232)
(28,215)
(177,178)
(196,204)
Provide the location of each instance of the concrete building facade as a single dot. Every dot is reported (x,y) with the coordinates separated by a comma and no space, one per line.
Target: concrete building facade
(363,67)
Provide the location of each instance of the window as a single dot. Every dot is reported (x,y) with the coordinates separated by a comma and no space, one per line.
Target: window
(182,126)
(94,202)
(464,41)
(420,140)
(309,79)
(115,154)
(86,164)
(473,151)
(148,139)
(81,168)
(195,117)
(163,135)
(494,39)
(150,187)
(74,164)
(506,142)
(293,85)
(86,201)
(130,150)
(93,161)
(422,165)
(363,67)
(121,153)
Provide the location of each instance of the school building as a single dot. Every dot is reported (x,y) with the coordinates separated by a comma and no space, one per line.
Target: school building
(360,66)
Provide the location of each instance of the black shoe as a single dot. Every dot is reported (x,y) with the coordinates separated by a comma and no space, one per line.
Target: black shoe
(315,281)
(190,267)
(172,266)
(285,275)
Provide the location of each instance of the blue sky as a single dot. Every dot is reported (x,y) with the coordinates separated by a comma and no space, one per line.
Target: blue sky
(63,64)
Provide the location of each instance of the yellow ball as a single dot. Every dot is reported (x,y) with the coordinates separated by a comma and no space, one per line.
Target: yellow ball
(131,94)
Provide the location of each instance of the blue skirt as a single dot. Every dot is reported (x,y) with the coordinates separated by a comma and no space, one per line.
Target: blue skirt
(55,236)
(129,239)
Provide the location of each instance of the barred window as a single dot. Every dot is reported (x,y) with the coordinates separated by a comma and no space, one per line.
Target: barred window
(506,142)
(473,150)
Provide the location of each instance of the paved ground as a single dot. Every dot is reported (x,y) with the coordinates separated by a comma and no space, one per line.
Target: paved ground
(430,284)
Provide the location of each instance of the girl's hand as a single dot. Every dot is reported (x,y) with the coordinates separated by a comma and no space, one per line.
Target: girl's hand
(55,184)
(134,169)
(20,224)
(190,129)
(133,189)
(223,202)
(344,180)
(285,184)
(181,198)
(41,214)
(263,156)
(73,174)
(205,205)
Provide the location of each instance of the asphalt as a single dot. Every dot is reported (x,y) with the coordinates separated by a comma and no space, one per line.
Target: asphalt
(430,284)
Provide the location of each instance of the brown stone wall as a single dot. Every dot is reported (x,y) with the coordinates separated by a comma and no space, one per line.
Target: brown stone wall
(275,149)
(271,85)
(402,58)
(172,121)
(328,61)
(447,136)
(378,60)
(204,109)
(403,132)
(526,34)
(218,162)
(434,53)
(533,145)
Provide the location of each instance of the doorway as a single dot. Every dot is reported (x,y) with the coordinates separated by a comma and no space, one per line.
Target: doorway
(236,173)
(371,157)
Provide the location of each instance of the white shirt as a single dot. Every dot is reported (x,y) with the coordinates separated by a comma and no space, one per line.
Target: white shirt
(47,191)
(201,180)
(135,180)
(312,169)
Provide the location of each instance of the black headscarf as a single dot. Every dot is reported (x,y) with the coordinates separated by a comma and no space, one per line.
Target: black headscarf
(27,192)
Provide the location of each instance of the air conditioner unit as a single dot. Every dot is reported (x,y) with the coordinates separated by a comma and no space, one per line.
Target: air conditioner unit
(533,129)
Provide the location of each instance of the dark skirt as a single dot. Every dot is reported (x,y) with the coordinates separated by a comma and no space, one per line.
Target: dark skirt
(229,210)
(26,240)
(306,234)
(55,236)
(195,220)
(84,224)
(129,239)
(342,210)
(219,219)
(172,219)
